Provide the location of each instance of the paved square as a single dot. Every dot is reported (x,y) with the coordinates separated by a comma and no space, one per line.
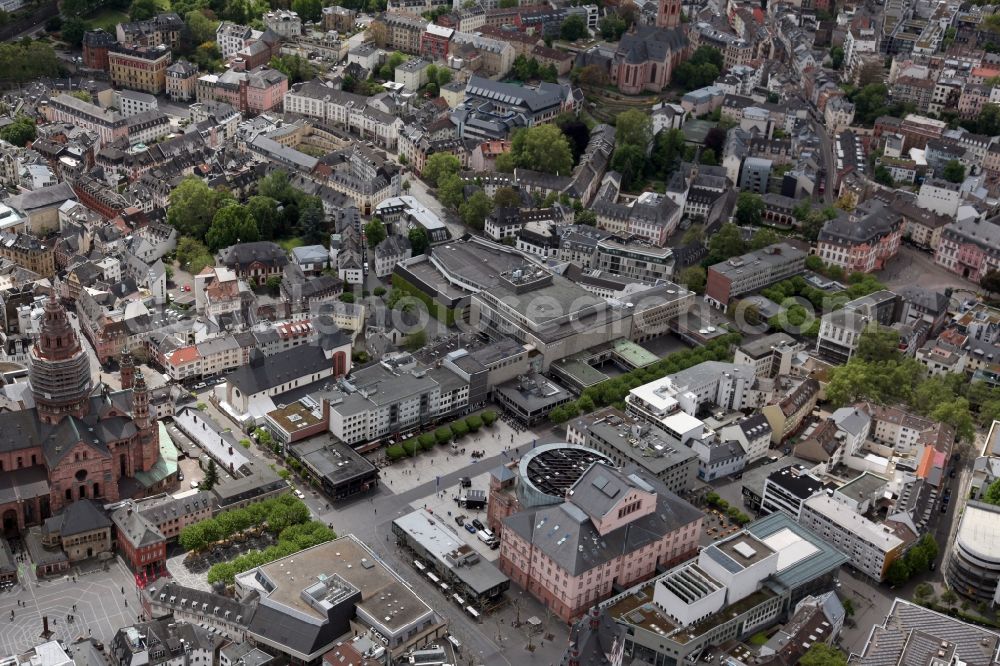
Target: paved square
(100,607)
(409,473)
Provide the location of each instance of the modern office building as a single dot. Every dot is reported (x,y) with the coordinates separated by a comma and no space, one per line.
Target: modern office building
(627,440)
(872,547)
(395,396)
(673,401)
(309,600)
(974,563)
(786,489)
(731,590)
(753,271)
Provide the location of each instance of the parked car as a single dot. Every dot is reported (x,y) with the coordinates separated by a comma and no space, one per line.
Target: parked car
(180,475)
(478,525)
(460,520)
(470,528)
(300,494)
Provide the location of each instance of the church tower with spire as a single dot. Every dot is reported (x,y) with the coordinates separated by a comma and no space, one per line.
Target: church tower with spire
(149,440)
(59,370)
(127,372)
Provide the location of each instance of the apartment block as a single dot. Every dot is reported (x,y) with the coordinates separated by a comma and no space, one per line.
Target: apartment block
(142,68)
(753,271)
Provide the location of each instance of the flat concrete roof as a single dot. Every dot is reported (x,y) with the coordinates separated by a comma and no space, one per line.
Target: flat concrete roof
(347,558)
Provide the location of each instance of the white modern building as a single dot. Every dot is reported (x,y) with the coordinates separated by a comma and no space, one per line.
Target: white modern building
(872,547)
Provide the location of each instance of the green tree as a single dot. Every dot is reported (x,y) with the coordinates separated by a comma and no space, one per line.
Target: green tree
(265,212)
(312,220)
(633,128)
(202,28)
(418,245)
(505,163)
(630,161)
(956,414)
(878,343)
(451,191)
(836,56)
(309,10)
(898,573)
(19,132)
(140,10)
(992,493)
(930,546)
(192,255)
(990,281)
(475,211)
(211,476)
(822,654)
(506,197)
(438,166)
(573,28)
(883,176)
(586,217)
(232,224)
(375,232)
(953,172)
(668,152)
(275,185)
(193,206)
(693,277)
(916,561)
(749,209)
(542,148)
(442,435)
(612,27)
(727,242)
(295,67)
(763,238)
(72,31)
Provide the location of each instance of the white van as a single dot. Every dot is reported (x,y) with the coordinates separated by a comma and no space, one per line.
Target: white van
(488,538)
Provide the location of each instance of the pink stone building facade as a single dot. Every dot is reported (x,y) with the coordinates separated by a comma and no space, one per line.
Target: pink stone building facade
(611,532)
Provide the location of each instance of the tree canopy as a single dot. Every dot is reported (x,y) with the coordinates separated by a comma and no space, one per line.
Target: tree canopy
(193,205)
(725,243)
(822,654)
(749,209)
(438,166)
(573,28)
(633,127)
(232,224)
(700,70)
(19,132)
(375,232)
(542,148)
(475,211)
(953,172)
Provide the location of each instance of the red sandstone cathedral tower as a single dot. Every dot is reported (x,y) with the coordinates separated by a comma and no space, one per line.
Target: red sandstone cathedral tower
(669,14)
(60,368)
